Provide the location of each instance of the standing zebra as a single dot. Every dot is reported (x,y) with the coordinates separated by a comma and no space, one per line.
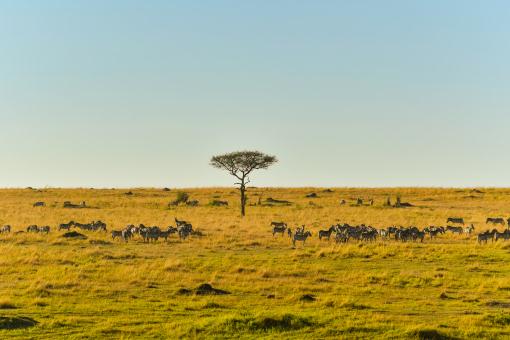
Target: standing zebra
(301,237)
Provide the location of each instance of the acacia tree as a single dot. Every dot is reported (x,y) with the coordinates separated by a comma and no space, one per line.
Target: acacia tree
(240,164)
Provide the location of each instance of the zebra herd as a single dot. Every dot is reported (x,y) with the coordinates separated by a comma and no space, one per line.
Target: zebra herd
(148,233)
(345,232)
(183,229)
(93,226)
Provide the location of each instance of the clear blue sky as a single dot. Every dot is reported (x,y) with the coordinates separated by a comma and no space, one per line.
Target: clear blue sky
(345,93)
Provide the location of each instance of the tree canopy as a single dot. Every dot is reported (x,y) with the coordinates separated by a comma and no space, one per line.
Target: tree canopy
(240,164)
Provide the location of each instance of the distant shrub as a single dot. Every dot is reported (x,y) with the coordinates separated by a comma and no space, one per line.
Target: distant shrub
(182,197)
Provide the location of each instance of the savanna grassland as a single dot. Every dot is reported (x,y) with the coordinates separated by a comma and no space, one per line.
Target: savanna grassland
(58,287)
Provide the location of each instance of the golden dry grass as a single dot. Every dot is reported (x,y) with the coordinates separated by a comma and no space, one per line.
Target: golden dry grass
(99,288)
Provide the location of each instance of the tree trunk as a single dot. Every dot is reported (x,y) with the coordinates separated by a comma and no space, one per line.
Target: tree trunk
(243,198)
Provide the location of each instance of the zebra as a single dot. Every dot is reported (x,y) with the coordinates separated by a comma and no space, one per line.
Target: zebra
(326,233)
(278,224)
(458,220)
(149,233)
(124,234)
(495,220)
(5,229)
(164,234)
(504,235)
(483,237)
(98,225)
(180,223)
(383,233)
(301,237)
(469,230)
(39,204)
(279,229)
(32,229)
(433,232)
(454,230)
(172,230)
(185,230)
(419,235)
(116,233)
(300,230)
(45,229)
(341,237)
(66,226)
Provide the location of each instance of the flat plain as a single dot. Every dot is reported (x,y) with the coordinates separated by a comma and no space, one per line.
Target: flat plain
(56,287)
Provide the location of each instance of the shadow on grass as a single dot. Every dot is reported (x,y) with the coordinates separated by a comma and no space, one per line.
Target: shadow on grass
(283,323)
(16,322)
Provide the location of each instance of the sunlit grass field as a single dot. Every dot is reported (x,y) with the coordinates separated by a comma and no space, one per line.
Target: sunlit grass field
(450,287)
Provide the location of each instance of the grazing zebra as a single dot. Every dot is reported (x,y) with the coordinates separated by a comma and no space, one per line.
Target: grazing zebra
(180,223)
(383,233)
(164,234)
(98,225)
(469,230)
(66,226)
(504,235)
(483,237)
(495,220)
(458,220)
(301,237)
(184,230)
(32,229)
(454,230)
(45,229)
(341,237)
(184,233)
(278,224)
(434,231)
(172,230)
(419,235)
(326,233)
(279,229)
(116,233)
(5,229)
